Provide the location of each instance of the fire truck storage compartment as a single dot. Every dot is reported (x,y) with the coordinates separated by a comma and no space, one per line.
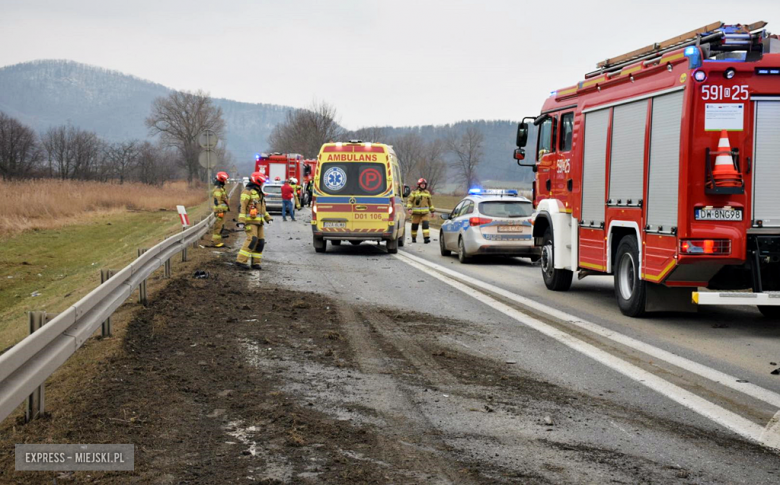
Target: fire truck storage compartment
(277,170)
(664,166)
(594,163)
(766,174)
(626,178)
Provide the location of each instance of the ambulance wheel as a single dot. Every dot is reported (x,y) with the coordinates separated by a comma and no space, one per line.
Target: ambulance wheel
(319,244)
(771,312)
(402,240)
(392,246)
(442,248)
(336,242)
(630,290)
(462,256)
(554,279)
(355,243)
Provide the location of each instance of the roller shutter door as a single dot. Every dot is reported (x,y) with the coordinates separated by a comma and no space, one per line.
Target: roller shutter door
(628,154)
(594,163)
(766,175)
(664,169)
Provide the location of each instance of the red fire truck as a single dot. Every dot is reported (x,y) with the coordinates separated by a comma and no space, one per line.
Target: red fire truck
(662,169)
(280,165)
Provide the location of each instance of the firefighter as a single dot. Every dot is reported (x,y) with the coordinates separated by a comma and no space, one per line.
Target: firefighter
(221,206)
(420,206)
(254,216)
(297,192)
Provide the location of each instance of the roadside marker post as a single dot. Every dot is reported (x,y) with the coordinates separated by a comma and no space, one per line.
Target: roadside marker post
(185,219)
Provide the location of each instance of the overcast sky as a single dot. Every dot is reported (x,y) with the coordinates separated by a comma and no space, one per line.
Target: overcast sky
(394,62)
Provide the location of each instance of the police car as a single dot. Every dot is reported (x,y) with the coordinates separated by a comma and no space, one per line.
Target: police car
(489,222)
(273,196)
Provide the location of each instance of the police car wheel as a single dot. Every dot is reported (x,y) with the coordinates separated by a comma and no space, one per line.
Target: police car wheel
(336,242)
(319,244)
(554,279)
(442,247)
(630,290)
(462,256)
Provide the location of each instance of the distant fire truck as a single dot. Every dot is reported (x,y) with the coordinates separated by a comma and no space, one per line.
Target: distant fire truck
(662,168)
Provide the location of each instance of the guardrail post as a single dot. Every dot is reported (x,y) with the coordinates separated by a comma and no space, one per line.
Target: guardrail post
(142,297)
(105,330)
(167,273)
(36,402)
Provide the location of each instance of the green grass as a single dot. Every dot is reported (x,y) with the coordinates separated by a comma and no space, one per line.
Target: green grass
(64,265)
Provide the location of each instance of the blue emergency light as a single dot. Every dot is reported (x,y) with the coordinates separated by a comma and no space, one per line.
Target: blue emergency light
(478,191)
(694,56)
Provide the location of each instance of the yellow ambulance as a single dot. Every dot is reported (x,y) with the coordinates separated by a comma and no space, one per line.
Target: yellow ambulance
(358,196)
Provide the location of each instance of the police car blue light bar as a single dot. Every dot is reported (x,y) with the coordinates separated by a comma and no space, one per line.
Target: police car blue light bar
(477,191)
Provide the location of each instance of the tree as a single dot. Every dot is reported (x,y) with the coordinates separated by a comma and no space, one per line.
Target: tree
(72,153)
(432,166)
(409,148)
(121,158)
(467,148)
(20,153)
(304,131)
(179,119)
(155,164)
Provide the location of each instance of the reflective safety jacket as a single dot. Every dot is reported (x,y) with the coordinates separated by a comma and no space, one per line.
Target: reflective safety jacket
(220,199)
(252,199)
(420,202)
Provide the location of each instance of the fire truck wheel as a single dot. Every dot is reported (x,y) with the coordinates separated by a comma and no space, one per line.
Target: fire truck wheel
(629,288)
(336,242)
(442,247)
(771,312)
(319,244)
(554,279)
(392,246)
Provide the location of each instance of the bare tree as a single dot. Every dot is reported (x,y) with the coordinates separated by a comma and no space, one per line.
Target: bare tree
(19,150)
(467,148)
(375,134)
(304,131)
(155,164)
(73,153)
(432,166)
(179,118)
(121,158)
(409,148)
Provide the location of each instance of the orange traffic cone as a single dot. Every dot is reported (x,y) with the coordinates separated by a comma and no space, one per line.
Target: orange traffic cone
(724,173)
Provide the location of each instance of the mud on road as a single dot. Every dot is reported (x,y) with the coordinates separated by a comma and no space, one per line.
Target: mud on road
(230,380)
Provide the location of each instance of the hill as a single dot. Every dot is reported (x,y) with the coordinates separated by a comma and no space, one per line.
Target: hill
(114,105)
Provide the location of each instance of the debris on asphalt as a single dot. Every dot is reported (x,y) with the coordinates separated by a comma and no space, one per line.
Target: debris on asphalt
(35,293)
(776,372)
(200,275)
(511,362)
(548,421)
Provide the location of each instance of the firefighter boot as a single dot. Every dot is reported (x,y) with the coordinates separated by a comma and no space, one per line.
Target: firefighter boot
(414,231)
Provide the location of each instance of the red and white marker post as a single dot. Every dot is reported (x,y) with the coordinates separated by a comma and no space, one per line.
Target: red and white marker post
(185,219)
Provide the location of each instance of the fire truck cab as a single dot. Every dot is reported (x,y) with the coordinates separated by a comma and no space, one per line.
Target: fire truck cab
(662,168)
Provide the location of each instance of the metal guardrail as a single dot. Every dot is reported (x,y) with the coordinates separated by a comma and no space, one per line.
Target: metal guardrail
(25,367)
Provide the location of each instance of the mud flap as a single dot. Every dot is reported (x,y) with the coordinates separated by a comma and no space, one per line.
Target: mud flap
(660,298)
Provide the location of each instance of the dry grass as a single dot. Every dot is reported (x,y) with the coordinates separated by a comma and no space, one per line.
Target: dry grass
(52,204)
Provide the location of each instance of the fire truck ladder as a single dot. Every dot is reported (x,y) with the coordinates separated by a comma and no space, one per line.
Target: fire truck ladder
(717,36)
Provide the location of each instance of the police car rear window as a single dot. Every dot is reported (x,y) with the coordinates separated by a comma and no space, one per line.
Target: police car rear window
(509,208)
(272,189)
(353,178)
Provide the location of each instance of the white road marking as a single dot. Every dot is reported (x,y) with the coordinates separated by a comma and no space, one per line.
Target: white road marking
(715,413)
(722,378)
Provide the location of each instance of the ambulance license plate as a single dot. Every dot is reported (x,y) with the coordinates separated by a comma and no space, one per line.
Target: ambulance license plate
(334,224)
(718,214)
(513,228)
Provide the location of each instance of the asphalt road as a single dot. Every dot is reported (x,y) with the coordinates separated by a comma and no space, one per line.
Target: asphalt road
(690,393)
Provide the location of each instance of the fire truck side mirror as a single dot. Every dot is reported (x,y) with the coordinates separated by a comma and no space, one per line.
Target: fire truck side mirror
(407,190)
(522,136)
(519,154)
